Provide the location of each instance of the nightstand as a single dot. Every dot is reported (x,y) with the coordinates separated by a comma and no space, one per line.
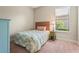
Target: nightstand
(52,35)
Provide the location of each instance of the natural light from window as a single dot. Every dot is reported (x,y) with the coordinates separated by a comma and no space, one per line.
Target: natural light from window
(62,19)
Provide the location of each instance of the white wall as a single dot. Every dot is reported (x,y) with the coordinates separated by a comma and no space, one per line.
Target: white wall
(21,18)
(78,25)
(48,13)
(44,14)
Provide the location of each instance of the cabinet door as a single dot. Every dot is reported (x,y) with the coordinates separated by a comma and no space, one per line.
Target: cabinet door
(4,36)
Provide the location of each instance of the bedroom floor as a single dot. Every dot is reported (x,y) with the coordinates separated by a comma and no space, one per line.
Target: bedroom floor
(57,46)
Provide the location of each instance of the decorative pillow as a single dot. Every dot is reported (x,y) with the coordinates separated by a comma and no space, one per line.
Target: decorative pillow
(41,28)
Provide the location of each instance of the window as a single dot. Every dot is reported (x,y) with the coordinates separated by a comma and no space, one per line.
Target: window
(62,19)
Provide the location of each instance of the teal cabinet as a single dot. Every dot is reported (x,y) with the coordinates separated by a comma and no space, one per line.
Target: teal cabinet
(4,36)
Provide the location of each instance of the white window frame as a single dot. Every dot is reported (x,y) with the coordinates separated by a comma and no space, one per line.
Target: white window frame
(68,21)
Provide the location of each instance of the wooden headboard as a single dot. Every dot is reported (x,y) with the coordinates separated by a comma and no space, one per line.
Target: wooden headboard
(47,24)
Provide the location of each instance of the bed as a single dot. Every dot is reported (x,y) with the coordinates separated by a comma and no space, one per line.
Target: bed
(33,40)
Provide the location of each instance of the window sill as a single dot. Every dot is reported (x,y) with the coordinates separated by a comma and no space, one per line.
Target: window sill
(61,31)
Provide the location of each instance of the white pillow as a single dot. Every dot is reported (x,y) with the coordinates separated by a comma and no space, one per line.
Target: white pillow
(41,28)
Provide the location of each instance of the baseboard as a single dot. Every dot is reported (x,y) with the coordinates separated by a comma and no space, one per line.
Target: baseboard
(73,41)
(78,42)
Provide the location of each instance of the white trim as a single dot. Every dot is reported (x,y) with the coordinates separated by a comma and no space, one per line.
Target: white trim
(78,43)
(73,41)
(78,26)
(61,31)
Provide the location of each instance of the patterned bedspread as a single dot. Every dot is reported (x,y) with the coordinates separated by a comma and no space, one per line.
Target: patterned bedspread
(32,40)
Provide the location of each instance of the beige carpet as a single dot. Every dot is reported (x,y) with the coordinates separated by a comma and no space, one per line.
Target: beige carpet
(57,46)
